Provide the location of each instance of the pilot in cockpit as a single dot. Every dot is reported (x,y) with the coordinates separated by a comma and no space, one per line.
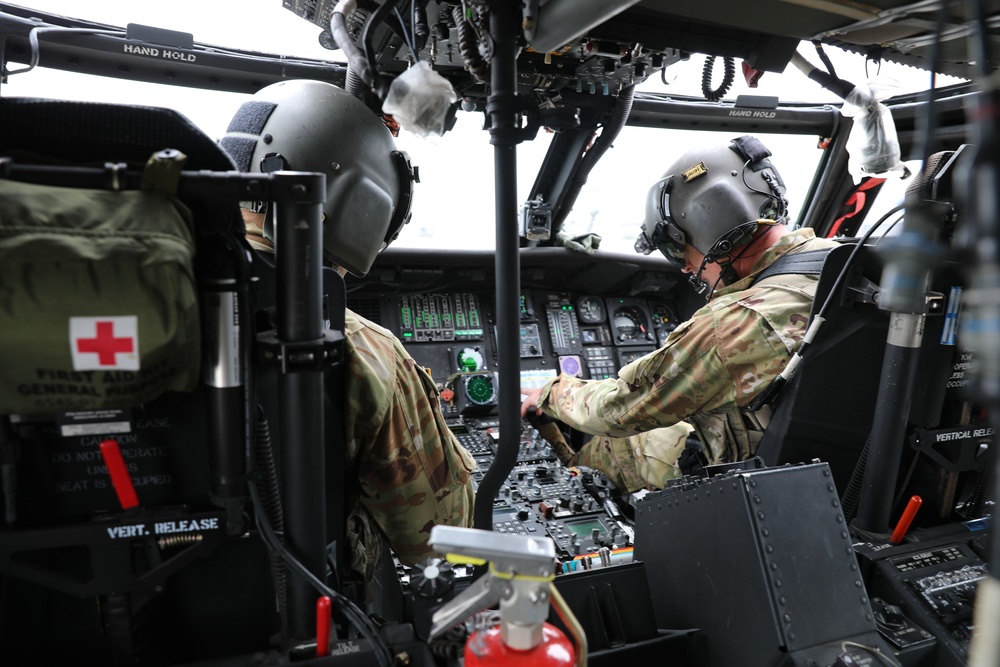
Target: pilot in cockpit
(410,473)
(719,214)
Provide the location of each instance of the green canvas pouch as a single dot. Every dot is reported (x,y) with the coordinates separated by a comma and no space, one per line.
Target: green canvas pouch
(98,301)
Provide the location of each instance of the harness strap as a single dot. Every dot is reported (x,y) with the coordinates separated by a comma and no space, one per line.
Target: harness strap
(809,262)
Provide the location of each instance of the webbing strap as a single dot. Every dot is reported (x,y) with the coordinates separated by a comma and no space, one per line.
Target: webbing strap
(809,262)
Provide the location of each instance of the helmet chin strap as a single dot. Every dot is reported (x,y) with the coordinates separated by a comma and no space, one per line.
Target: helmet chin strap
(701,286)
(728,276)
(720,254)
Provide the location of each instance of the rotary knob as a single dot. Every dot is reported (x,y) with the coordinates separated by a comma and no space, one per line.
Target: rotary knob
(432,578)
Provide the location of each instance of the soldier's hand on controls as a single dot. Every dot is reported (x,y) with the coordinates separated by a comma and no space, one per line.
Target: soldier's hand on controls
(529,402)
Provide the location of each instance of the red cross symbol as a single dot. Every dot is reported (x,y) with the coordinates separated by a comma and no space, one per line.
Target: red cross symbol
(104,344)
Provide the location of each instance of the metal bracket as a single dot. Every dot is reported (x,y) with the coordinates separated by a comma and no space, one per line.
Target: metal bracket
(954,448)
(934,303)
(519,578)
(859,289)
(483,593)
(170,537)
(317,355)
(533,118)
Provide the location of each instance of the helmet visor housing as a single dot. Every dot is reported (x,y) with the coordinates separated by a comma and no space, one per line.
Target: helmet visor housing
(658,230)
(303,125)
(709,197)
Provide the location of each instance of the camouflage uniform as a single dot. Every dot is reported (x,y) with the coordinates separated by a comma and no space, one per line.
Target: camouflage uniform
(709,367)
(411,472)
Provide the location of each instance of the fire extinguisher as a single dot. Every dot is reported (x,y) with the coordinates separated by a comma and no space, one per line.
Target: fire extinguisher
(521,571)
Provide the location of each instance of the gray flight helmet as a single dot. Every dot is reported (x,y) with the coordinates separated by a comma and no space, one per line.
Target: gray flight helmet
(711,199)
(303,125)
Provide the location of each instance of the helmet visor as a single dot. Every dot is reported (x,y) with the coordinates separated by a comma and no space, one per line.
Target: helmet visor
(658,229)
(672,250)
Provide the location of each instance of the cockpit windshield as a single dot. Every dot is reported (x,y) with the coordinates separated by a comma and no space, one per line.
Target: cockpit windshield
(456,170)
(664,299)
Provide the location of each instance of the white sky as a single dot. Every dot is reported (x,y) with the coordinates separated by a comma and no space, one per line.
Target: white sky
(454,201)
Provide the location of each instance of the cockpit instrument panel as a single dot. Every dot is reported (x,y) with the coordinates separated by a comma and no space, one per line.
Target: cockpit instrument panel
(563,327)
(480,389)
(590,310)
(531,341)
(631,323)
(470,360)
(440,317)
(665,320)
(454,336)
(628,355)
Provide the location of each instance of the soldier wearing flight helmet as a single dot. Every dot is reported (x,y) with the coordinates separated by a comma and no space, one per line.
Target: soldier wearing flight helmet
(719,214)
(409,472)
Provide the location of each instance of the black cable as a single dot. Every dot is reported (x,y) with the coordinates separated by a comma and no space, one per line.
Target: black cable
(245,256)
(975,506)
(838,86)
(478,66)
(358,64)
(850,259)
(713,255)
(826,59)
(589,159)
(727,78)
(889,229)
(418,24)
(852,494)
(782,209)
(413,23)
(407,35)
(878,70)
(773,390)
(368,43)
(341,603)
(266,479)
(925,139)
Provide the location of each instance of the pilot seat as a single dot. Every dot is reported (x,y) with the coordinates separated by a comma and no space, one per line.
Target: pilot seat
(153,509)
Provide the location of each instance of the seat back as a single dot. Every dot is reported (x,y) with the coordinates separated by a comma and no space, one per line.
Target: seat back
(88,573)
(826,410)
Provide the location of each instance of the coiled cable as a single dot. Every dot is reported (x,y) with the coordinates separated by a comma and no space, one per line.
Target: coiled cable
(468,46)
(270,497)
(714,95)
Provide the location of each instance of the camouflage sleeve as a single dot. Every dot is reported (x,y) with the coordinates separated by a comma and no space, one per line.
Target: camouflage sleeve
(646,460)
(723,356)
(413,473)
(683,377)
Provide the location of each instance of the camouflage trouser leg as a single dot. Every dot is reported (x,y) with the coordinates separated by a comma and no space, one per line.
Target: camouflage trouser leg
(644,461)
